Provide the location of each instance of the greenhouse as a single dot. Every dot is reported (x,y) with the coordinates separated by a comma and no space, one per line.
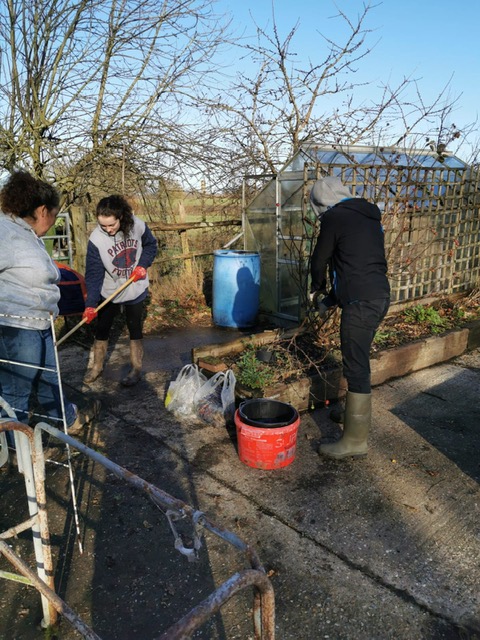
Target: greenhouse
(430,206)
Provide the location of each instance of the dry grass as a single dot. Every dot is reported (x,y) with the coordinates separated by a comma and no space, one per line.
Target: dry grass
(178,300)
(180,286)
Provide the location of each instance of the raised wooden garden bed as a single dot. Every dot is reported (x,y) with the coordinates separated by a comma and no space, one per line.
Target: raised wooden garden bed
(212,364)
(305,392)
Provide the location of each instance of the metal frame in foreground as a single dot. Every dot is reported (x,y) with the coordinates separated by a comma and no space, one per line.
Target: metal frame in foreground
(264,600)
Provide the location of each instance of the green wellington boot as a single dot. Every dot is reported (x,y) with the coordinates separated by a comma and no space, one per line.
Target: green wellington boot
(358,418)
(337,413)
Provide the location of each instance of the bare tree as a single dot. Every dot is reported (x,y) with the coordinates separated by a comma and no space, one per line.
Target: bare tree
(119,94)
(93,83)
(288,101)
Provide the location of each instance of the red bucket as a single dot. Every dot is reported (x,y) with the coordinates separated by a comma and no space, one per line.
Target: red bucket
(266,447)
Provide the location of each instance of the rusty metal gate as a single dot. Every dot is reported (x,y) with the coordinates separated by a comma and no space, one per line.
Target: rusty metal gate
(32,464)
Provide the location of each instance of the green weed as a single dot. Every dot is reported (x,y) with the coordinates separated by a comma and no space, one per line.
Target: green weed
(251,372)
(427,316)
(383,337)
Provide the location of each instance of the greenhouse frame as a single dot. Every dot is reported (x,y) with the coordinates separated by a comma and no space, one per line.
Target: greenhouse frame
(430,213)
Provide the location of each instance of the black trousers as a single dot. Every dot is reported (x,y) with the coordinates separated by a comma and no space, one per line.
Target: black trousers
(133,316)
(358,325)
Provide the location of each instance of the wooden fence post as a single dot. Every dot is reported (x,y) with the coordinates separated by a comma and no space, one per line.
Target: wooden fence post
(184,237)
(80,236)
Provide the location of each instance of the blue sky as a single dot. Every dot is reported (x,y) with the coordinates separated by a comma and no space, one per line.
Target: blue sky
(431,41)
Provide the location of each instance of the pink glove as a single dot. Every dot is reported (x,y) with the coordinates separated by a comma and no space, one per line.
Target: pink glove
(89,314)
(139,273)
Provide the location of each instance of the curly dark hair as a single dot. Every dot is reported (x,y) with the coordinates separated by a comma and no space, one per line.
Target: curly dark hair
(22,194)
(118,207)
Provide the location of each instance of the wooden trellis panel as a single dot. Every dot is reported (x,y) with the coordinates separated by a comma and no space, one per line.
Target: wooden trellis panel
(431,222)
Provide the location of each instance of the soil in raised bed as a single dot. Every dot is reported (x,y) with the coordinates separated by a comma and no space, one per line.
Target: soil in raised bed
(316,346)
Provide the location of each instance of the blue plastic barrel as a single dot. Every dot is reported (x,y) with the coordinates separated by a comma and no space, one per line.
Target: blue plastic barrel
(236,288)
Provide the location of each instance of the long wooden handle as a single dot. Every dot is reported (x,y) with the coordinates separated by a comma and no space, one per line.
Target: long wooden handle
(102,304)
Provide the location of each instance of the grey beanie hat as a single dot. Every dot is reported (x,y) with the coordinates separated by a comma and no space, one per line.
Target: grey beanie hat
(326,192)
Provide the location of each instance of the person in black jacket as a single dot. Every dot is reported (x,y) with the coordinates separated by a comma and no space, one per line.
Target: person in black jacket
(350,247)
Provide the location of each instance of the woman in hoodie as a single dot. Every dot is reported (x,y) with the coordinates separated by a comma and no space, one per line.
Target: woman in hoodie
(120,247)
(29,297)
(351,248)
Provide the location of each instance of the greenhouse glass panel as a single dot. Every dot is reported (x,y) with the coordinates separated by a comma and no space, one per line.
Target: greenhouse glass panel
(451,161)
(289,297)
(289,194)
(292,249)
(391,158)
(427,161)
(291,222)
(329,157)
(365,158)
(298,161)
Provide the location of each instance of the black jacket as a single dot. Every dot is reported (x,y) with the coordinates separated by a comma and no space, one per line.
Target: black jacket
(351,245)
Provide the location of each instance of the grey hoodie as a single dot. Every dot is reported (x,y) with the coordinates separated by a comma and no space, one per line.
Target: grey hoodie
(28,277)
(326,192)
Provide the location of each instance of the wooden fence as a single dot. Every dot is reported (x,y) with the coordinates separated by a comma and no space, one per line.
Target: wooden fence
(82,230)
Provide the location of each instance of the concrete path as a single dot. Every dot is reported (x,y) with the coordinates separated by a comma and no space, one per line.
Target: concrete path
(379,548)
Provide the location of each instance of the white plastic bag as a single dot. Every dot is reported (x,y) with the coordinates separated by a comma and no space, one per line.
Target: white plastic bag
(215,399)
(181,391)
(228,395)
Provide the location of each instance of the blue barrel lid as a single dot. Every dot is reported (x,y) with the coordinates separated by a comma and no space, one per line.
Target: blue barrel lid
(228,253)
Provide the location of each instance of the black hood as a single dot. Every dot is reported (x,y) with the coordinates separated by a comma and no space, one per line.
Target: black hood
(361,207)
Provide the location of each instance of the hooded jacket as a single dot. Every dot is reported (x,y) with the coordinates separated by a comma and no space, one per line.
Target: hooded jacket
(28,277)
(351,245)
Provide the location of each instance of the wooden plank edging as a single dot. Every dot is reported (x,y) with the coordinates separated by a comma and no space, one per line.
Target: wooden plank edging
(421,354)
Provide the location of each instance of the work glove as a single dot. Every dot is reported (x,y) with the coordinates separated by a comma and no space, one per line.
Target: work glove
(89,314)
(139,273)
(321,308)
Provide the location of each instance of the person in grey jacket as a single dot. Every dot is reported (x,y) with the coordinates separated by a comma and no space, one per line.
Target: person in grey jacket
(350,247)
(28,297)
(120,247)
